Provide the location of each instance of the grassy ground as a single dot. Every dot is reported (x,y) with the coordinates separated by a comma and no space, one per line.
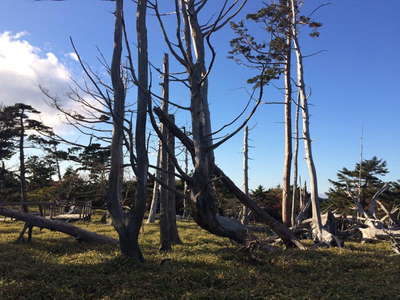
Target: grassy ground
(205,267)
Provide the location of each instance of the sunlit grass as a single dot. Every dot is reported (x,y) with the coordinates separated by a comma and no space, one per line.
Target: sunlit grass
(204,267)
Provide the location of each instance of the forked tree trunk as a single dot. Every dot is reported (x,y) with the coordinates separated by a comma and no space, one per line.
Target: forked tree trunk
(245,210)
(316,214)
(128,224)
(286,201)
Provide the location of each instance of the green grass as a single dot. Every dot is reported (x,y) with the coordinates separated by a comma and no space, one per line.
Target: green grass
(205,267)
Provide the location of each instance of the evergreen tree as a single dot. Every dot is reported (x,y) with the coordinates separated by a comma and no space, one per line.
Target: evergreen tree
(23,132)
(366,175)
(40,171)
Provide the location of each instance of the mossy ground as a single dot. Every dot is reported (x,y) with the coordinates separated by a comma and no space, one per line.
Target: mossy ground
(205,267)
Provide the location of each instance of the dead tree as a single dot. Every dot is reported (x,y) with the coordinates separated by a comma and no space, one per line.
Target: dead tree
(155,200)
(192,56)
(109,108)
(245,210)
(165,237)
(126,226)
(316,213)
(295,196)
(286,201)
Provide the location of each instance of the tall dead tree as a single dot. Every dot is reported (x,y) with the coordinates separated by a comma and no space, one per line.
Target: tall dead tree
(245,210)
(295,193)
(286,201)
(316,213)
(165,237)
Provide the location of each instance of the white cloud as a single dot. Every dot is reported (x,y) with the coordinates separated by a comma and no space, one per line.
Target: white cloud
(73,56)
(23,67)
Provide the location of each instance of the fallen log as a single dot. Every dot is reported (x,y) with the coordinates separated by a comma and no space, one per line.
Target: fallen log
(378,232)
(78,233)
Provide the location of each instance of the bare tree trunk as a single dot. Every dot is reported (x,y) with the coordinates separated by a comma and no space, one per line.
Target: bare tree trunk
(114,193)
(57,166)
(186,192)
(316,214)
(22,169)
(156,190)
(286,202)
(295,167)
(173,230)
(165,238)
(245,210)
(303,194)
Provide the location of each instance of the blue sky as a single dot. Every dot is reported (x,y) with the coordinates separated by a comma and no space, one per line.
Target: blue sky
(353,83)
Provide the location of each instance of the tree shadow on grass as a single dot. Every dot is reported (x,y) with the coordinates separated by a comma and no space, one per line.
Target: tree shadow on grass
(36,272)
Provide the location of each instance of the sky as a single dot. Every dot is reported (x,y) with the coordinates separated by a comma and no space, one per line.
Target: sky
(353,82)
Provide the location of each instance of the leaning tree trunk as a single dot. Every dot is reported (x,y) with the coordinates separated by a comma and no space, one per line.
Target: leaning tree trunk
(173,230)
(281,230)
(202,194)
(316,214)
(286,201)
